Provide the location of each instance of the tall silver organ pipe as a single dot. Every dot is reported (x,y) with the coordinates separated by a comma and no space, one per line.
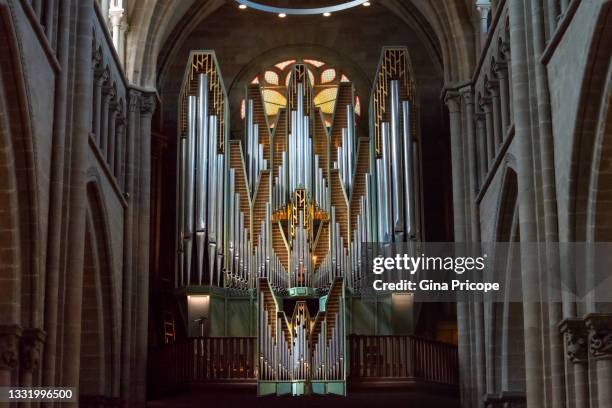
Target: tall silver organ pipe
(189,184)
(201,185)
(201,171)
(396,139)
(409,156)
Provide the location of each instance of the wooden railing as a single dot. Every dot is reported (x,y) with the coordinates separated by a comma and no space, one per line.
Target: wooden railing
(203,359)
(402,357)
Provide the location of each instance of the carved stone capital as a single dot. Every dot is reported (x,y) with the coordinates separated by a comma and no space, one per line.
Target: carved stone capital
(453,101)
(500,69)
(9,346)
(133,100)
(491,87)
(147,105)
(504,48)
(30,348)
(600,334)
(576,339)
(467,95)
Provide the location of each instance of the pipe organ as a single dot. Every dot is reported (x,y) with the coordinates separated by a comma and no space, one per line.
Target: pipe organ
(280,213)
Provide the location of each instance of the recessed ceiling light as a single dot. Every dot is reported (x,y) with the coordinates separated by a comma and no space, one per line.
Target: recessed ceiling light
(282,15)
(327,14)
(242,6)
(366,4)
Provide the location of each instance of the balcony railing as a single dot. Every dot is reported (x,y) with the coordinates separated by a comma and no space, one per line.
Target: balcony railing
(403,357)
(203,359)
(371,358)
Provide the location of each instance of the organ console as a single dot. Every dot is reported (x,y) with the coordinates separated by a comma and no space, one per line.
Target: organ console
(281,213)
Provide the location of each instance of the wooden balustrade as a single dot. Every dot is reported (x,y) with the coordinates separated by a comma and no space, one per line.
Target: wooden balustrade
(203,359)
(402,357)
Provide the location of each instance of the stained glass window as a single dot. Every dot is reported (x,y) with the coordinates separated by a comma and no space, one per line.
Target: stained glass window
(271,77)
(326,100)
(273,101)
(328,75)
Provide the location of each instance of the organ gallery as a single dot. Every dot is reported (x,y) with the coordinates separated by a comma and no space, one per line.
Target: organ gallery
(276,218)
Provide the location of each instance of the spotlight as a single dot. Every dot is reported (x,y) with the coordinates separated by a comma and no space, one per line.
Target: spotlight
(282,15)
(366,4)
(326,14)
(242,6)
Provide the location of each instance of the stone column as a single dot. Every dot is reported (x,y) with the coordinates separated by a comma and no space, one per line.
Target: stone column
(600,350)
(129,270)
(453,102)
(109,153)
(492,87)
(549,201)
(57,196)
(553,12)
(468,107)
(9,352)
(501,70)
(485,105)
(119,151)
(116,13)
(481,135)
(526,206)
(73,279)
(575,334)
(147,108)
(105,120)
(102,77)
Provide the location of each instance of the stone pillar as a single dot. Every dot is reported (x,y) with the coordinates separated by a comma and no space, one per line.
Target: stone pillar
(600,350)
(81,123)
(147,108)
(119,151)
(468,107)
(553,12)
(564,6)
(576,348)
(501,70)
(9,352)
(453,102)
(129,272)
(102,77)
(105,120)
(532,323)
(485,105)
(116,13)
(109,153)
(483,7)
(492,87)
(57,193)
(481,135)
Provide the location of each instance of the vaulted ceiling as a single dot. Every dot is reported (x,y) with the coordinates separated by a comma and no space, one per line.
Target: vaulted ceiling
(448,29)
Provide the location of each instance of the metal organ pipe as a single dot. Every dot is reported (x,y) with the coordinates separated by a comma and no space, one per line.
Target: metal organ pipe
(201,165)
(409,191)
(396,164)
(189,183)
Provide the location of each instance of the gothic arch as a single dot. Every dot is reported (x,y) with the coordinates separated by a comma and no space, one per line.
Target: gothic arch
(99,372)
(19,229)
(590,217)
(506,331)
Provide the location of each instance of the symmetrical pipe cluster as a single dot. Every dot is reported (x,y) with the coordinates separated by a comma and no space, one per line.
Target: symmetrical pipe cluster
(302,348)
(201,182)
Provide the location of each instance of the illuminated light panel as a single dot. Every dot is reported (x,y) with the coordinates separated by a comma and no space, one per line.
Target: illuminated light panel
(316,63)
(242,109)
(328,75)
(357,106)
(326,100)
(344,78)
(284,64)
(271,77)
(273,101)
(261,6)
